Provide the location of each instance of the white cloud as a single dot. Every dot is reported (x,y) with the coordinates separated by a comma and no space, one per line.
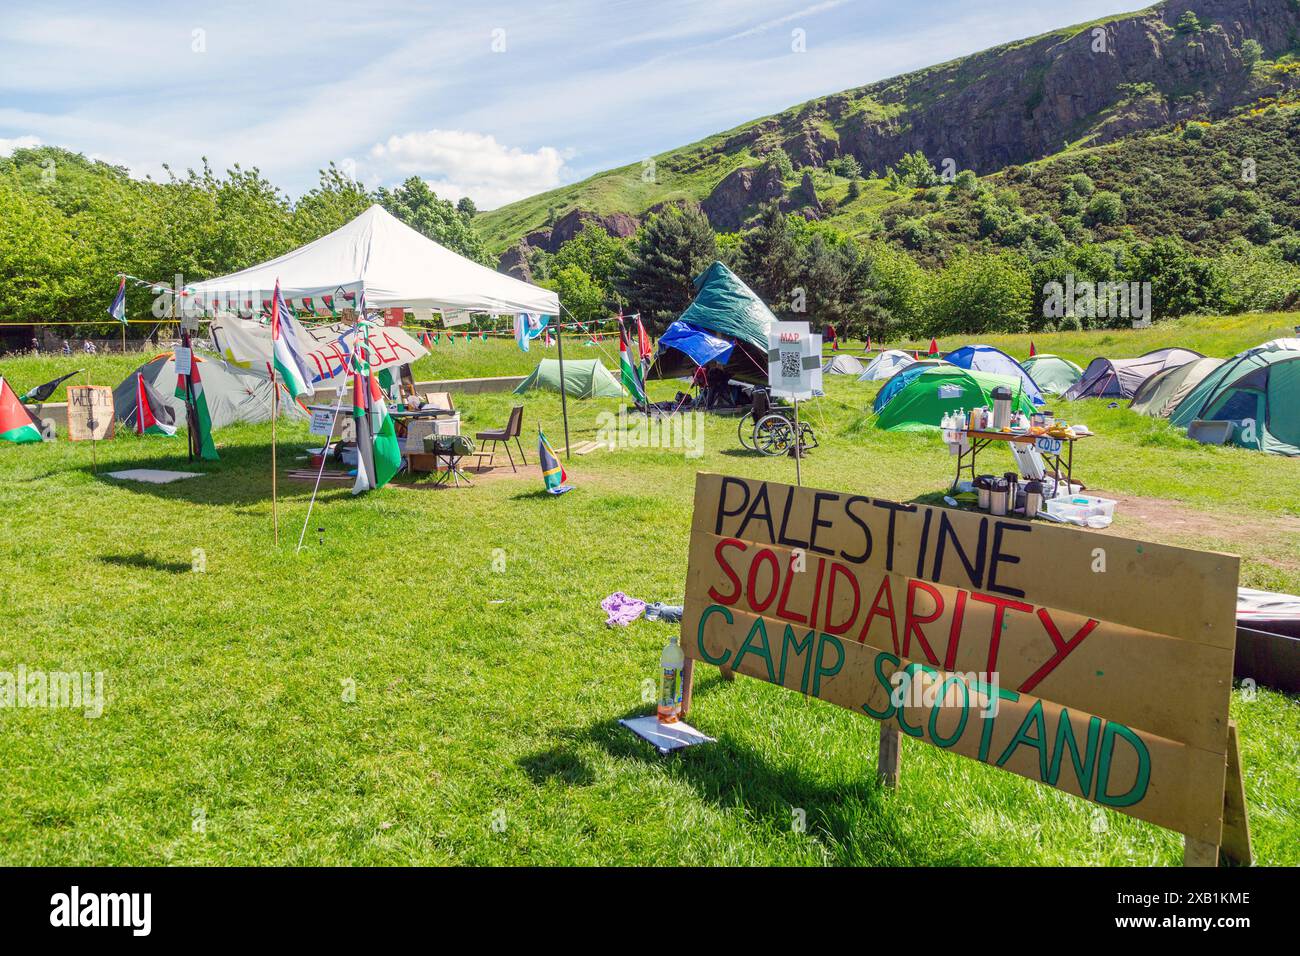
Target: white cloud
(7,146)
(459,163)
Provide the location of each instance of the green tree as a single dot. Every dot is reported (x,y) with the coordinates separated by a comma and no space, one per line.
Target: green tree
(667,253)
(601,256)
(769,259)
(419,207)
(979,294)
(581,294)
(335,201)
(1189,23)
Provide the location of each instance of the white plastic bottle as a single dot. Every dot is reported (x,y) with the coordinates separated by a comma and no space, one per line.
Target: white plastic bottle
(671,663)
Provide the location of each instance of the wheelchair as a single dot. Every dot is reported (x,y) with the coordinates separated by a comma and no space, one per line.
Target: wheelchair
(769,429)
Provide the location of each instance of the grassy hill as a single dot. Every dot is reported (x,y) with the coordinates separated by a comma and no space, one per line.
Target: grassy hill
(1009,106)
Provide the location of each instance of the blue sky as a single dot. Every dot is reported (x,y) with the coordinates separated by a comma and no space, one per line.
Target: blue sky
(496,100)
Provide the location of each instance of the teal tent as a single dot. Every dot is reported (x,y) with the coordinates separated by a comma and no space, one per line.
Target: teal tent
(727,323)
(583,378)
(1258,391)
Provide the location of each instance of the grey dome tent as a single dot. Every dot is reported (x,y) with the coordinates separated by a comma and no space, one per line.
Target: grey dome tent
(1159,395)
(884,365)
(233,394)
(844,365)
(1120,378)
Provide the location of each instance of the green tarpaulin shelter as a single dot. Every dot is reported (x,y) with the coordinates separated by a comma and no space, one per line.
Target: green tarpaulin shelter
(1053,374)
(726,306)
(583,378)
(936,391)
(1259,391)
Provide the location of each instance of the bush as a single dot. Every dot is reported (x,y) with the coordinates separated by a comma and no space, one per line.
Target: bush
(1107,209)
(978,294)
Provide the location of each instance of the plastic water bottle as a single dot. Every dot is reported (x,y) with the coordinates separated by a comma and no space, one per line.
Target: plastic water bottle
(671,663)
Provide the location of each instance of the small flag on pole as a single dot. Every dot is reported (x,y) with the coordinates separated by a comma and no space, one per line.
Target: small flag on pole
(17,423)
(118,309)
(553,473)
(1032,351)
(42,393)
(289,362)
(934,346)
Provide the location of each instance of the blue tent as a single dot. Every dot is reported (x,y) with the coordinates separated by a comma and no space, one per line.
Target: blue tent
(985,358)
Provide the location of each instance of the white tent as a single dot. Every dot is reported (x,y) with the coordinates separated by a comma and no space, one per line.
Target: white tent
(390,262)
(885,365)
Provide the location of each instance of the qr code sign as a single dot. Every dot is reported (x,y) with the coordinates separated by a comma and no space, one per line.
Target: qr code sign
(791,365)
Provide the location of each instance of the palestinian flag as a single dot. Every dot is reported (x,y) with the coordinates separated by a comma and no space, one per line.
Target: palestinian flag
(379,454)
(153,416)
(191,387)
(288,360)
(41,393)
(552,471)
(631,378)
(482,337)
(17,424)
(645,350)
(425,340)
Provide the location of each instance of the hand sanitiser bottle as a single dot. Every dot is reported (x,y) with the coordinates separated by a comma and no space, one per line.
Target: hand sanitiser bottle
(671,663)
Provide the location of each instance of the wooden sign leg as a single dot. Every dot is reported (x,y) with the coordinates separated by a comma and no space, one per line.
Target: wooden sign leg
(727,673)
(1199,853)
(1235,849)
(891,756)
(688,685)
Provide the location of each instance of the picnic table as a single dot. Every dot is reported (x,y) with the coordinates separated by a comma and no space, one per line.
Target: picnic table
(1058,453)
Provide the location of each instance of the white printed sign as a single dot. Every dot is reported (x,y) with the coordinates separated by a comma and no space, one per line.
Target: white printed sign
(184,360)
(322,422)
(794,360)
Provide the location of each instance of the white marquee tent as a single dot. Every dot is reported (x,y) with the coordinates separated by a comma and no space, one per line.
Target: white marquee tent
(390,262)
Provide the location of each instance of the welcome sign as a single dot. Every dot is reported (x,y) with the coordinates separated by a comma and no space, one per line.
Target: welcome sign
(1097,665)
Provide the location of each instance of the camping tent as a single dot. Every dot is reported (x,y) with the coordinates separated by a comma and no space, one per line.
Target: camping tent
(1051,373)
(1160,394)
(986,358)
(583,378)
(726,323)
(885,365)
(898,381)
(940,389)
(233,394)
(1120,378)
(844,365)
(382,257)
(1259,390)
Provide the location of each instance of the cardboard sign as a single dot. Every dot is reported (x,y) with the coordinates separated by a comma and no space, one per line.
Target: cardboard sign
(1097,665)
(794,360)
(90,412)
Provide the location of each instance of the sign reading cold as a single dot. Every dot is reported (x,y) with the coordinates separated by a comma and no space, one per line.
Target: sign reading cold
(1094,664)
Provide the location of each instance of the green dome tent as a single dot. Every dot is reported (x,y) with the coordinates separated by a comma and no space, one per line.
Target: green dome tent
(583,378)
(1053,374)
(921,404)
(1258,390)
(1159,395)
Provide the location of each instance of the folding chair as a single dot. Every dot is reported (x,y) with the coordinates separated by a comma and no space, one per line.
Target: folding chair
(502,436)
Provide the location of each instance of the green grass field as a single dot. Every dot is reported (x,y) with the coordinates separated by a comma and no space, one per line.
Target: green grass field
(483,727)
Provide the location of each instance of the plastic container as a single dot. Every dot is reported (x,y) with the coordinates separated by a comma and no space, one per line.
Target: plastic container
(671,662)
(1079,508)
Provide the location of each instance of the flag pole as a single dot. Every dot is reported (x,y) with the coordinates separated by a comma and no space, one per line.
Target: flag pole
(338,404)
(275,416)
(564,403)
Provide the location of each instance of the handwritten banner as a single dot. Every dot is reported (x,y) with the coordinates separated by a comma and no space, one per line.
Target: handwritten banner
(1094,664)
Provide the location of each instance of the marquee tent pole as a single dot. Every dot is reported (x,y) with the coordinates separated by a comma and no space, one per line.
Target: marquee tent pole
(564,402)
